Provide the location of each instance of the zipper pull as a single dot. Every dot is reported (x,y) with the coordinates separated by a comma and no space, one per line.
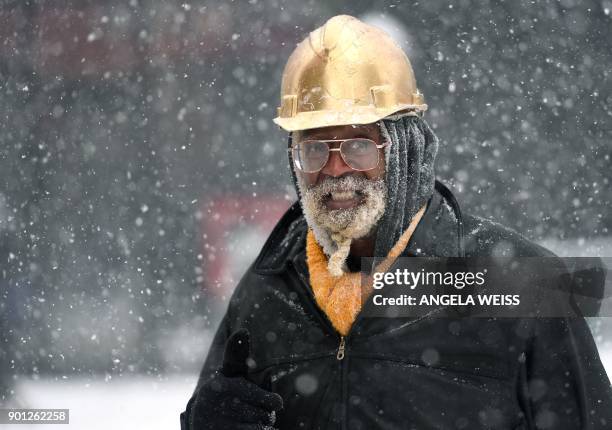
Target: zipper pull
(340,354)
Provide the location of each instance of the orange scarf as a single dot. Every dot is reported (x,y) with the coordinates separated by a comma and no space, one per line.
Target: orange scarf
(341,297)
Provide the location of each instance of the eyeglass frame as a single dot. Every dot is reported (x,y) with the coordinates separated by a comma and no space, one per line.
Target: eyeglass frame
(338,149)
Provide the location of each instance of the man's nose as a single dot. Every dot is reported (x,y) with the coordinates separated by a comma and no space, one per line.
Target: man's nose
(335,165)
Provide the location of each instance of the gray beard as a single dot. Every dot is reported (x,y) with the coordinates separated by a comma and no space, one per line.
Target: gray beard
(335,229)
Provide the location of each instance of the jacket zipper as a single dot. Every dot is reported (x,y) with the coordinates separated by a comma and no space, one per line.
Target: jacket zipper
(340,354)
(343,382)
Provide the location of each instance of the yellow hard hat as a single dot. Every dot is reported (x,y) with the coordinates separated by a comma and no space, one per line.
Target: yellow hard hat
(346,72)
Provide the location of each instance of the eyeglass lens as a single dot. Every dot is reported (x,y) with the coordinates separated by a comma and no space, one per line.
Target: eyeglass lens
(312,155)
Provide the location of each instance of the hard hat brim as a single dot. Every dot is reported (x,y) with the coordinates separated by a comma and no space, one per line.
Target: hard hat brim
(355,115)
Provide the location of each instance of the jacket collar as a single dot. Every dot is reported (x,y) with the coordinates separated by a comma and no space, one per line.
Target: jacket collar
(437,233)
(287,239)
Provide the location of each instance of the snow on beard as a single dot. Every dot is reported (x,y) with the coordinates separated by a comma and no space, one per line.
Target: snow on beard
(335,229)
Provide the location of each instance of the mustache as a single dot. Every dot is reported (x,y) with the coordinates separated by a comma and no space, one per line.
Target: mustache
(345,183)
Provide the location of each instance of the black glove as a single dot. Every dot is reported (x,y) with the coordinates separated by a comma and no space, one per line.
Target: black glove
(229,400)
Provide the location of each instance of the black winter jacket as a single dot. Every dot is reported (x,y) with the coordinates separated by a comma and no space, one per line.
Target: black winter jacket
(419,373)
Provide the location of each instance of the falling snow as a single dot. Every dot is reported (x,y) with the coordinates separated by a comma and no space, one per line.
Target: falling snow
(141,173)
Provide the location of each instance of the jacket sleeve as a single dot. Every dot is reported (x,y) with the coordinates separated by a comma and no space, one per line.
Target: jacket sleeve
(212,364)
(562,381)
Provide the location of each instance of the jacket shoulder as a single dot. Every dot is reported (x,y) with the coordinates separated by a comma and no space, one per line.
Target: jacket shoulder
(484,237)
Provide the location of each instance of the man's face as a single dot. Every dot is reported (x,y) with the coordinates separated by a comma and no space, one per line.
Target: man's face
(344,202)
(336,167)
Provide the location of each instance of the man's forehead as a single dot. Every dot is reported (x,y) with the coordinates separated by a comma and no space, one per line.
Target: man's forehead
(341,130)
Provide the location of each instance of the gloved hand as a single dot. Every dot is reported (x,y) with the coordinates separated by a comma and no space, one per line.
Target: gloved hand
(229,400)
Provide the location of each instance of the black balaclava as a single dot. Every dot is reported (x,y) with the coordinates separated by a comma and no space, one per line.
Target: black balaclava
(409,175)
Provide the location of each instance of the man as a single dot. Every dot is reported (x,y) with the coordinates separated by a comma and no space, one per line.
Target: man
(293,350)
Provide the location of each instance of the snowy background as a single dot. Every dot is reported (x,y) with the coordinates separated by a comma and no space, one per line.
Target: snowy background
(140,170)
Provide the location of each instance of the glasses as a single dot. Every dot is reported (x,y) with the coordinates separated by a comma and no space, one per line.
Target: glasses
(360,154)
